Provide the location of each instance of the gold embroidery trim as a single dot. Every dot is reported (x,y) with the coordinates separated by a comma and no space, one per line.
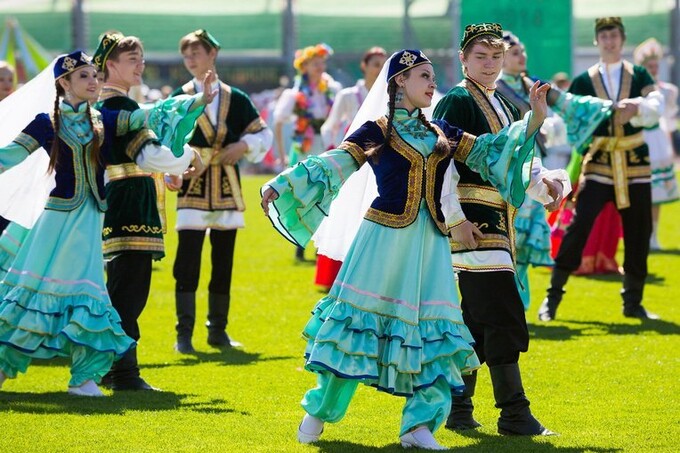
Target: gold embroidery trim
(255,126)
(497,241)
(142,229)
(135,145)
(465,145)
(617,147)
(485,105)
(606,170)
(122,123)
(357,153)
(414,189)
(27,141)
(122,171)
(486,195)
(431,164)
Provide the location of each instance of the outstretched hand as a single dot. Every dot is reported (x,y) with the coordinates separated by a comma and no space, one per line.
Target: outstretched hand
(555,192)
(208,93)
(268,196)
(465,234)
(538,99)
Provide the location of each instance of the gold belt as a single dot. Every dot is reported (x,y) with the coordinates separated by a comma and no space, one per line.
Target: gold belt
(617,147)
(122,171)
(207,156)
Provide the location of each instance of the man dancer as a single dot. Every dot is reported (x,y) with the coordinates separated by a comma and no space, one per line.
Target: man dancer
(616,168)
(491,304)
(133,230)
(229,129)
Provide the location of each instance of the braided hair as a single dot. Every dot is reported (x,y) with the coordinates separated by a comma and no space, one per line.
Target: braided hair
(374,152)
(95,155)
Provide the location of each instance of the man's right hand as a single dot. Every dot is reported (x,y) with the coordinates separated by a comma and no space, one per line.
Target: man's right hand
(465,234)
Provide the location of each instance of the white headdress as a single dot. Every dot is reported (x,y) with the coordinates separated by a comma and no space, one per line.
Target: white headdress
(24,188)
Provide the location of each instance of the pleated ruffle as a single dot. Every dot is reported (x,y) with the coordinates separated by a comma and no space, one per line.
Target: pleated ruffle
(42,325)
(387,353)
(532,235)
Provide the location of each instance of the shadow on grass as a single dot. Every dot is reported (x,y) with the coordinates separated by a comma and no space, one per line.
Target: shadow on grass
(567,330)
(652,279)
(665,252)
(229,356)
(484,442)
(119,403)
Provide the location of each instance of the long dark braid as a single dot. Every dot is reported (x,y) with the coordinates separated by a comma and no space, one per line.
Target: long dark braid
(54,149)
(95,155)
(374,153)
(442,146)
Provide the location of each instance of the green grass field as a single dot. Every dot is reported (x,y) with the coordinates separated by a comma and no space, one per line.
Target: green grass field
(604,382)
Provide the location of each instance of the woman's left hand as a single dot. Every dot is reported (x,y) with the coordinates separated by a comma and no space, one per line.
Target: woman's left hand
(208,93)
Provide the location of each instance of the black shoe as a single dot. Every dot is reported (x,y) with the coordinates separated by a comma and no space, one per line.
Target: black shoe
(220,339)
(184,346)
(638,311)
(460,418)
(107,381)
(133,385)
(299,254)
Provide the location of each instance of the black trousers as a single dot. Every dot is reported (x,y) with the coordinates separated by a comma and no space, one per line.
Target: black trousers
(493,311)
(637,227)
(128,283)
(187,267)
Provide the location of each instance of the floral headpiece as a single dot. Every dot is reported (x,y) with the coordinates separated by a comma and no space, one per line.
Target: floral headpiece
(404,60)
(649,49)
(66,64)
(472,31)
(510,38)
(302,56)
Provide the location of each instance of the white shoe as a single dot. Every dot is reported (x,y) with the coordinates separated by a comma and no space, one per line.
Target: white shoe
(310,429)
(3,378)
(89,388)
(421,438)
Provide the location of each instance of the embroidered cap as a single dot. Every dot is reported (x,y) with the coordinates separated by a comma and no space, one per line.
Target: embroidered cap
(206,37)
(107,42)
(607,22)
(404,60)
(472,31)
(66,64)
(510,38)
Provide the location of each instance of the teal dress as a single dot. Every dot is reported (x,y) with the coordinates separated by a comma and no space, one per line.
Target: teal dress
(53,298)
(392,319)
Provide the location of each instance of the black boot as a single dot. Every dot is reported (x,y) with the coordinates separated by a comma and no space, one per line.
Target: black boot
(218,313)
(460,417)
(185,307)
(299,253)
(548,308)
(632,299)
(516,418)
(124,374)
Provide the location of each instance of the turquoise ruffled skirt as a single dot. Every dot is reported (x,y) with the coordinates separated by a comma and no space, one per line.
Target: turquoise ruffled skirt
(392,318)
(532,234)
(53,296)
(10,242)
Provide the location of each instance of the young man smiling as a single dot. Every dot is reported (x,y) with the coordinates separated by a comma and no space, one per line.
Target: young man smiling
(133,225)
(616,168)
(485,259)
(230,128)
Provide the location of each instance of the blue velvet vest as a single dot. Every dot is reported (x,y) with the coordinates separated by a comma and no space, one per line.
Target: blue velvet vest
(403,175)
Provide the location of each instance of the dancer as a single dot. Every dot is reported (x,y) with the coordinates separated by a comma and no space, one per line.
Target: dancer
(345,107)
(616,168)
(391,319)
(229,129)
(53,301)
(135,221)
(532,233)
(491,303)
(658,138)
(307,104)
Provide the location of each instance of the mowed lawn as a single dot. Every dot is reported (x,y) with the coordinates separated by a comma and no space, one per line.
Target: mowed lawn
(604,382)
